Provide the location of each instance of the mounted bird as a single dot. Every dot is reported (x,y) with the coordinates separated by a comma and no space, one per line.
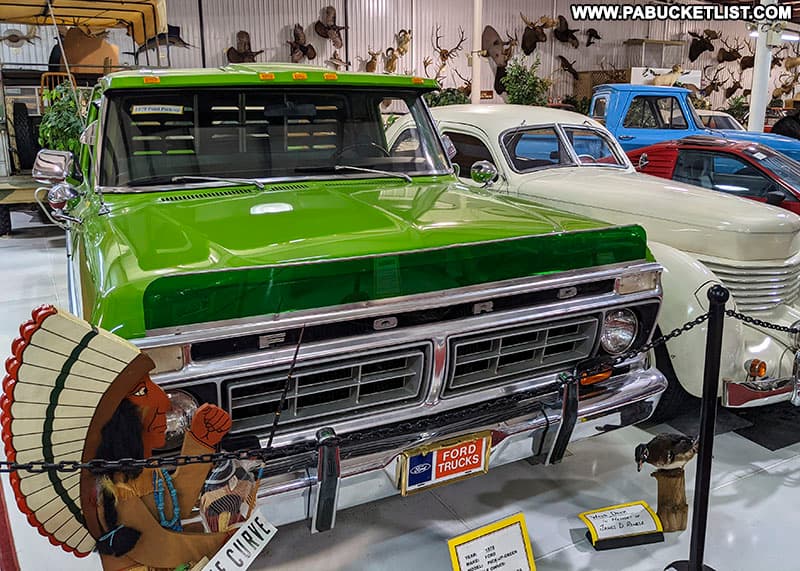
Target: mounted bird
(327,28)
(299,46)
(666,451)
(242,53)
(592,36)
(567,66)
(564,34)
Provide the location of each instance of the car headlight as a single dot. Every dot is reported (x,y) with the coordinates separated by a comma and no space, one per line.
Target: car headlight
(620,327)
(179,417)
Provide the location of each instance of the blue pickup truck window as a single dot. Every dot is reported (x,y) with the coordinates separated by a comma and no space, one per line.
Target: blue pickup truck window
(655,112)
(536,148)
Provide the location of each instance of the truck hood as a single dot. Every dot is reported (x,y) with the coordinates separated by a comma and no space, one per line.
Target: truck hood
(686,217)
(786,145)
(174,252)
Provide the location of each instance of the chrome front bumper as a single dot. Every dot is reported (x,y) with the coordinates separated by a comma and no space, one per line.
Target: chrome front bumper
(760,392)
(532,429)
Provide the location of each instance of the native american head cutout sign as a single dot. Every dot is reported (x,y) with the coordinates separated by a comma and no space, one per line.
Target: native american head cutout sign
(77,392)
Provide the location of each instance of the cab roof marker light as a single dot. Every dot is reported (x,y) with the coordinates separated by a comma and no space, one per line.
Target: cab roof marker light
(330,77)
(417,80)
(151,79)
(266,76)
(299,75)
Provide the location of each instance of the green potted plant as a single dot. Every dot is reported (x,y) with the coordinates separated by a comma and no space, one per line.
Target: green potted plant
(523,85)
(61,124)
(449,96)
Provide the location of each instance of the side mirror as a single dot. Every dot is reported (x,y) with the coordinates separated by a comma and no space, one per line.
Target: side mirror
(484,172)
(449,147)
(52,167)
(775,197)
(457,169)
(643,161)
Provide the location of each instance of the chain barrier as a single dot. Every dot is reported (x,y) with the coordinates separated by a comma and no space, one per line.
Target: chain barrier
(271,453)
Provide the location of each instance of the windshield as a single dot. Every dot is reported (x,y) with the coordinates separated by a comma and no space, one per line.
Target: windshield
(781,165)
(541,147)
(698,122)
(154,136)
(721,121)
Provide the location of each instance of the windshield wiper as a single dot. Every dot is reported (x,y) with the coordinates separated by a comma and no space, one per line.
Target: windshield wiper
(231,180)
(402,175)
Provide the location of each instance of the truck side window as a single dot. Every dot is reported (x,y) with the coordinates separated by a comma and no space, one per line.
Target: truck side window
(654,112)
(599,109)
(469,150)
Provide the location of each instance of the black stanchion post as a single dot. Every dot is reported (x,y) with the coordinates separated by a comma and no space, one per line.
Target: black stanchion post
(717,297)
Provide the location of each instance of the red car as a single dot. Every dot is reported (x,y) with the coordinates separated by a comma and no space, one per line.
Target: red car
(744,169)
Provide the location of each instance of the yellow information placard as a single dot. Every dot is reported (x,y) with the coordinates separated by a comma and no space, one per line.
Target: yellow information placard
(500,546)
(623,525)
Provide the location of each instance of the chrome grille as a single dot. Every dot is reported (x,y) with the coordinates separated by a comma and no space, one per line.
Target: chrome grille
(504,356)
(327,389)
(760,287)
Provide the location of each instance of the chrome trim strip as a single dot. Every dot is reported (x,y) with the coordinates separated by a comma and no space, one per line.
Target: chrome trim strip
(196,333)
(214,370)
(75,301)
(623,391)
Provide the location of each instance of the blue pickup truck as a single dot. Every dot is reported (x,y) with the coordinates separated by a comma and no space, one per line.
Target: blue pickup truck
(641,115)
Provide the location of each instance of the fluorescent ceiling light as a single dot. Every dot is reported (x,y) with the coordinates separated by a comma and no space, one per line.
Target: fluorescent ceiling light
(754,34)
(790,37)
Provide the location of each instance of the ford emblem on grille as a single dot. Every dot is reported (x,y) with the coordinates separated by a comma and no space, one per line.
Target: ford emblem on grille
(419,469)
(384,323)
(567,292)
(483,307)
(265,341)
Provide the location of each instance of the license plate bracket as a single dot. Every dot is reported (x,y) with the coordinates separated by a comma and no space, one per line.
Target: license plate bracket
(444,462)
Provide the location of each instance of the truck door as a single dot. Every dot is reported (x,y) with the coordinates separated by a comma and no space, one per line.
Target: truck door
(651,119)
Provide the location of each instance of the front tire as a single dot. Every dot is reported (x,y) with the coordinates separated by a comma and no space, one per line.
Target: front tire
(5,220)
(675,400)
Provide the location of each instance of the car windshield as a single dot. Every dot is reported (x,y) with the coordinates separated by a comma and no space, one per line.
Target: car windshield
(152,137)
(781,165)
(542,147)
(721,121)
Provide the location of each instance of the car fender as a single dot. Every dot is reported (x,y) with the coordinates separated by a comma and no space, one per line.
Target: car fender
(685,281)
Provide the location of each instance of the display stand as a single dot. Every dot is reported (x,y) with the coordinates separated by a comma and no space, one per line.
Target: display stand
(673,511)
(717,297)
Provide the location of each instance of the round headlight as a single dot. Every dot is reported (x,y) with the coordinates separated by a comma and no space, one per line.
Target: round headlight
(619,331)
(179,417)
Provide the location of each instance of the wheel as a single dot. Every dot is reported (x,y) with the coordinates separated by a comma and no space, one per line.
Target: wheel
(5,220)
(25,136)
(675,400)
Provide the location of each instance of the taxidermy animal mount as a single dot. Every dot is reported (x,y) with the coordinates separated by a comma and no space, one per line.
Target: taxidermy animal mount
(731,90)
(701,43)
(299,46)
(14,38)
(466,87)
(326,27)
(445,55)
(729,53)
(564,34)
(592,36)
(567,66)
(372,63)
(666,451)
(242,53)
(337,62)
(172,39)
(390,57)
(534,33)
(667,79)
(403,42)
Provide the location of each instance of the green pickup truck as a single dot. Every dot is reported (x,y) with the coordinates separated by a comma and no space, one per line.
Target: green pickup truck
(238,222)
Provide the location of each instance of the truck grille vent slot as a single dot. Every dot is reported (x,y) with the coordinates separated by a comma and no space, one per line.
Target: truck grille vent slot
(504,356)
(206,194)
(330,389)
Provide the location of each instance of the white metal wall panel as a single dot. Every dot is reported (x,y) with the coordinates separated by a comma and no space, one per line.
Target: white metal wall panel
(36,52)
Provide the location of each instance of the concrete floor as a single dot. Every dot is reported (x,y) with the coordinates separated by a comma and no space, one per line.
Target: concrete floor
(755,492)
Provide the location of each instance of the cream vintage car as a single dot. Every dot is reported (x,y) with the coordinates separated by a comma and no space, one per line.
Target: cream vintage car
(568,161)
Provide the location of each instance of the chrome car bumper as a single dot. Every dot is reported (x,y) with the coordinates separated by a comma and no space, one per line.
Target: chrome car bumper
(535,427)
(760,392)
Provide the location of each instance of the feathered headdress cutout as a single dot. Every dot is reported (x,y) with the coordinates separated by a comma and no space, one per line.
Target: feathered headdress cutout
(64,380)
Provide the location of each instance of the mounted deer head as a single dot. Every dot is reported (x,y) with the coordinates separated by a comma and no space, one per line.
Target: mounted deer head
(372,62)
(776,59)
(748,61)
(714,82)
(735,86)
(466,87)
(729,53)
(701,43)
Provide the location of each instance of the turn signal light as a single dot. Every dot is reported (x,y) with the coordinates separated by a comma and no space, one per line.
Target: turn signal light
(756,368)
(636,282)
(587,380)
